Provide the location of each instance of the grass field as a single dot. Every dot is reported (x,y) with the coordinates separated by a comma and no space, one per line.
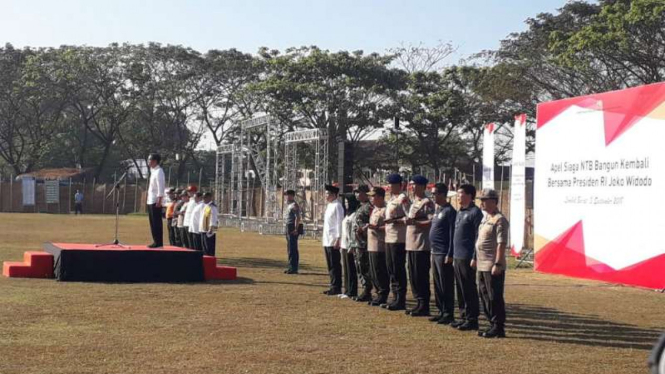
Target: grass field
(270,322)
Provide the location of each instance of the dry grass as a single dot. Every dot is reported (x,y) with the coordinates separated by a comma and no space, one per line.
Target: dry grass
(269,322)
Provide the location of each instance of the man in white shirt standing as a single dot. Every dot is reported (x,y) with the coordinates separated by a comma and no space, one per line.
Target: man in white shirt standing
(195,226)
(155,200)
(332,234)
(191,191)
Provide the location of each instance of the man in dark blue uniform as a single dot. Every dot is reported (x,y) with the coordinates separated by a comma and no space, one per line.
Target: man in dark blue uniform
(441,243)
(464,258)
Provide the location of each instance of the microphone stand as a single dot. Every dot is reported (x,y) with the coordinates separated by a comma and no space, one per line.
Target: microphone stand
(116,194)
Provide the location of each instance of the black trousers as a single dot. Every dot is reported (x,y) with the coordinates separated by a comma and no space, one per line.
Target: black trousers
(467,291)
(156,225)
(419,265)
(184,237)
(78,208)
(171,231)
(380,278)
(196,239)
(292,253)
(350,273)
(396,264)
(333,258)
(491,293)
(364,271)
(444,285)
(208,244)
(176,235)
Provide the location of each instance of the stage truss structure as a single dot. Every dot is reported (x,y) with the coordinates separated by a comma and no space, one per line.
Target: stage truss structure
(258,145)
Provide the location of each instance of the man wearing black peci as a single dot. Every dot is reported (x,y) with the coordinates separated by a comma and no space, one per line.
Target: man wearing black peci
(464,258)
(331,239)
(154,200)
(441,242)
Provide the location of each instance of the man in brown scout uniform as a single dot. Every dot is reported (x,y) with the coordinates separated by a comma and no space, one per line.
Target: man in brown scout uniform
(376,246)
(491,262)
(361,225)
(418,223)
(395,219)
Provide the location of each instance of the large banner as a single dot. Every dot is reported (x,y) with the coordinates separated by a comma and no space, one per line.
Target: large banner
(488,156)
(518,186)
(600,173)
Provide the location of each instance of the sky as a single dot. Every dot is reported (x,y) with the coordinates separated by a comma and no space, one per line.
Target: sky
(368,25)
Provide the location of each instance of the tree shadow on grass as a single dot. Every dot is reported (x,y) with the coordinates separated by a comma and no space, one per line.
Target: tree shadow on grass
(540,323)
(259,263)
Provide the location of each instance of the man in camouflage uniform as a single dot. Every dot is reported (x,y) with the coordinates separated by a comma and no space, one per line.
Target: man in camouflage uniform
(291,221)
(360,227)
(418,223)
(395,219)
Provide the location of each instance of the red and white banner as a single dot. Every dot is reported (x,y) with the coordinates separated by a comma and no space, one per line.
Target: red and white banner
(600,170)
(518,186)
(488,156)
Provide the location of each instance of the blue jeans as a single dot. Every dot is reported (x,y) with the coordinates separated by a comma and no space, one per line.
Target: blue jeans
(292,251)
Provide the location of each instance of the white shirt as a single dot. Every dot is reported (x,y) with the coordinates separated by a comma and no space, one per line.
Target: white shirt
(156,186)
(188,213)
(332,223)
(197,214)
(344,243)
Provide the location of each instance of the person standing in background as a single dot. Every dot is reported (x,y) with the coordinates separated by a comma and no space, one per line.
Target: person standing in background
(292,219)
(78,203)
(155,199)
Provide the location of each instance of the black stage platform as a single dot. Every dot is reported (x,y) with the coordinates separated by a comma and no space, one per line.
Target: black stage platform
(113,263)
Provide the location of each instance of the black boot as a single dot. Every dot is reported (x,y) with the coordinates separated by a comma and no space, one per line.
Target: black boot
(436,318)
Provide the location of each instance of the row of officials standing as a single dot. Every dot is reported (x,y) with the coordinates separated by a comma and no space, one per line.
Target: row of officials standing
(191,216)
(378,239)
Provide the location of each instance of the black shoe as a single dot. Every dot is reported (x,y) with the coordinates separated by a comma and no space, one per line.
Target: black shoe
(376,302)
(493,332)
(363,298)
(420,313)
(153,245)
(334,292)
(287,271)
(396,306)
(384,305)
(457,324)
(436,318)
(468,326)
(291,272)
(446,321)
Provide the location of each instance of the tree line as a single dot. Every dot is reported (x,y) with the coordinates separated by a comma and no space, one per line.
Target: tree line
(93,107)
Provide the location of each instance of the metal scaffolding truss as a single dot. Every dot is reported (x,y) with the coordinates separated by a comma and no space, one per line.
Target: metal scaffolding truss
(257,143)
(313,209)
(225,182)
